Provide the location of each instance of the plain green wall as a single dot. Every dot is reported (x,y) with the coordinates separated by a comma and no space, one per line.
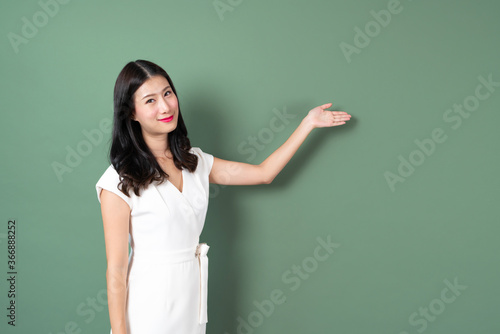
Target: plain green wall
(396,250)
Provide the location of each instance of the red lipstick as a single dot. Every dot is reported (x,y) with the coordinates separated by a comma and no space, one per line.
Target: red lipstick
(166,120)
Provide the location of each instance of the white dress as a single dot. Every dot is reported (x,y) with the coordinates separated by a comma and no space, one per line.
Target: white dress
(168,268)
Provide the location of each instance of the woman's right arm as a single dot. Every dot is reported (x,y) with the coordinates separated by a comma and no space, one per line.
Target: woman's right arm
(116,217)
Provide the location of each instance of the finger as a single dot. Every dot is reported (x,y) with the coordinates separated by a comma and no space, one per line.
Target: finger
(340,114)
(341,117)
(326,105)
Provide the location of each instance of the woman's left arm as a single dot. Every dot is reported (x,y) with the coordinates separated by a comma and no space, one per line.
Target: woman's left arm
(238,173)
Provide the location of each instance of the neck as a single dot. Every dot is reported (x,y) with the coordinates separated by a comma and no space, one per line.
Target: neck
(158,145)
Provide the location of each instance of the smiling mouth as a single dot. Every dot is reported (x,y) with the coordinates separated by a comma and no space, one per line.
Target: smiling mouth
(167,119)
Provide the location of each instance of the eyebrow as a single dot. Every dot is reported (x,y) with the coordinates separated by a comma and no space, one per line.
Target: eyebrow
(164,89)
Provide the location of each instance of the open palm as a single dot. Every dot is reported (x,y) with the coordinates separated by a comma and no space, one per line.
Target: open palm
(320,118)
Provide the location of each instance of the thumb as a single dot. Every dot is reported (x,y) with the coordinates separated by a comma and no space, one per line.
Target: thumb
(326,105)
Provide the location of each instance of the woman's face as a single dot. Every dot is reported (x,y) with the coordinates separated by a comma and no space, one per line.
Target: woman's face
(156,107)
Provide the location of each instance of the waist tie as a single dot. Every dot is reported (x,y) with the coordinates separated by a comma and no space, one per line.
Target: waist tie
(201,254)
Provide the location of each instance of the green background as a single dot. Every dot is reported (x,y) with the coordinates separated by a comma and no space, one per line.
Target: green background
(231,70)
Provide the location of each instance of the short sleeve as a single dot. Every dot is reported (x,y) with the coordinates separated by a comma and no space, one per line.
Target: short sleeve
(207,159)
(109,181)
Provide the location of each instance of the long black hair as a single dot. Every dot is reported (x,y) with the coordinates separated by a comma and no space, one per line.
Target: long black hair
(130,156)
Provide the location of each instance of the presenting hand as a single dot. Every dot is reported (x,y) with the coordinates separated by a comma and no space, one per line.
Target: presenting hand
(320,118)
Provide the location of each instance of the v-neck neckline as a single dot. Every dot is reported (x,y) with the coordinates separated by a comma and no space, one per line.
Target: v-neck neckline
(183,183)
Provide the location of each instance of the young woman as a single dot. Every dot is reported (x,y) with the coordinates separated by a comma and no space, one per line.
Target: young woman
(154,195)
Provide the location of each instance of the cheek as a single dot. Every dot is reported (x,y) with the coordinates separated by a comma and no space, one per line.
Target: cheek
(174,104)
(146,113)
(152,113)
(149,112)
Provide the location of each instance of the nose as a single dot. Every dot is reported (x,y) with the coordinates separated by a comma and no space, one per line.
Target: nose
(164,107)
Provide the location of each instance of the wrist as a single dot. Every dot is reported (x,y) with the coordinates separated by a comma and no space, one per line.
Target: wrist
(307,124)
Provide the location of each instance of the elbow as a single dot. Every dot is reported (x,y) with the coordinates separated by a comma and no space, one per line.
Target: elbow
(117,272)
(116,279)
(117,267)
(266,177)
(268,180)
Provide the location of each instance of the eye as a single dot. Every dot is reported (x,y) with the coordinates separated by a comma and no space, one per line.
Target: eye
(149,100)
(167,92)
